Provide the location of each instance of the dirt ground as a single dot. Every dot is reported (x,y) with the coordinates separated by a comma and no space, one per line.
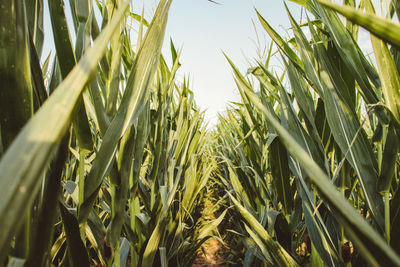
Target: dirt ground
(212,257)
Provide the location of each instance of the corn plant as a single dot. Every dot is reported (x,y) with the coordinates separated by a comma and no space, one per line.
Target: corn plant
(104,156)
(312,155)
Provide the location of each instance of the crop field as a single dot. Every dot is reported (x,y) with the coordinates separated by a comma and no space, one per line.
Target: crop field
(106,160)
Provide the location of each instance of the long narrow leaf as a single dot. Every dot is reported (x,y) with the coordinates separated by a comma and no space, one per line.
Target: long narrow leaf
(21,167)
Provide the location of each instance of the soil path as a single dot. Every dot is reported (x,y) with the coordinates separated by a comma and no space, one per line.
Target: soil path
(211,253)
(211,256)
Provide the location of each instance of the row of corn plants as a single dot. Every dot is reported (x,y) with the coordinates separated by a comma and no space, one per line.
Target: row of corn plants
(103,155)
(309,158)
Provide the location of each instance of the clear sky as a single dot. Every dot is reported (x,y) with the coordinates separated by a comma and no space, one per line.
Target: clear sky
(204,30)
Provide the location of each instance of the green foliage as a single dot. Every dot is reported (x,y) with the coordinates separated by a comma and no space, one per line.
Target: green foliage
(322,136)
(105,158)
(110,169)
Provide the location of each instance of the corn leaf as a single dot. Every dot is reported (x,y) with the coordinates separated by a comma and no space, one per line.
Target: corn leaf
(23,164)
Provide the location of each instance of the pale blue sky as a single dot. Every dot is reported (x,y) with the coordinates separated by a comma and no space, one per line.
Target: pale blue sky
(204,30)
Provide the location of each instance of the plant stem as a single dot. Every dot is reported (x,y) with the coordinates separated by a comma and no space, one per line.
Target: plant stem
(386,197)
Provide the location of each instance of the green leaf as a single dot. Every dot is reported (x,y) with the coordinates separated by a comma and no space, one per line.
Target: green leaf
(383,28)
(66,57)
(323,242)
(212,227)
(139,18)
(39,90)
(23,164)
(345,127)
(34,12)
(281,174)
(387,72)
(16,94)
(309,5)
(76,248)
(135,96)
(260,244)
(43,230)
(284,46)
(279,255)
(372,246)
(388,164)
(348,50)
